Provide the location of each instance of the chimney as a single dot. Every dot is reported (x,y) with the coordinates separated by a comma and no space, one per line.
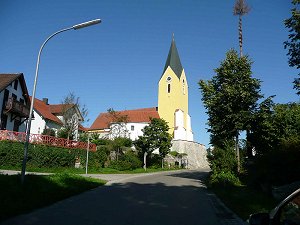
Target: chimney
(45,100)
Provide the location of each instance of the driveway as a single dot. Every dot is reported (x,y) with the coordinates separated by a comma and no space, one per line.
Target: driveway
(168,198)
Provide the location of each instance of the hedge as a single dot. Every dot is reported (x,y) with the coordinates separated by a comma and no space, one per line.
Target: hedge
(42,156)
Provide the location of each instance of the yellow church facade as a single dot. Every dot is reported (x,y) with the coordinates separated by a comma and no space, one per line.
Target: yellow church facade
(173,97)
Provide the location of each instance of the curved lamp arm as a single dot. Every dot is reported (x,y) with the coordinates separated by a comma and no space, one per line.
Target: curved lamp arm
(75,27)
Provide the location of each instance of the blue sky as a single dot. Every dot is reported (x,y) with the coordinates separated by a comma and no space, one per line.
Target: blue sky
(119,62)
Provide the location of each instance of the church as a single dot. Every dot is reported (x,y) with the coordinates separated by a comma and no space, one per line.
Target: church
(172,107)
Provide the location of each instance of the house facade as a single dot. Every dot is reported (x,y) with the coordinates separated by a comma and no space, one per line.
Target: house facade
(14,102)
(110,126)
(53,116)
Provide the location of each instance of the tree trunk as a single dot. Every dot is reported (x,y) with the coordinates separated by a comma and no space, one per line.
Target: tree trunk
(237,152)
(240,36)
(248,145)
(162,163)
(145,161)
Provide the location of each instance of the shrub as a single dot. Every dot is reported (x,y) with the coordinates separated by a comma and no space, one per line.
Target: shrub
(101,141)
(120,165)
(41,156)
(49,132)
(224,179)
(63,133)
(127,161)
(173,153)
(278,167)
(223,160)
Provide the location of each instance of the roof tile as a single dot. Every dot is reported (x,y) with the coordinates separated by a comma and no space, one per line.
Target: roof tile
(134,116)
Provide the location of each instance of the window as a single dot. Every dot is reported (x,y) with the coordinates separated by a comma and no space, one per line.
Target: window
(132,128)
(169,88)
(16,85)
(3,122)
(16,125)
(14,96)
(183,87)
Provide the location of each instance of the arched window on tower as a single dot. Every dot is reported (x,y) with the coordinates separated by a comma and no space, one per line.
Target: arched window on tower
(183,87)
(169,88)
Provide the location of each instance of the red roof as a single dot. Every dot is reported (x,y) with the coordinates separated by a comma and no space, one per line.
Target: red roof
(44,110)
(133,116)
(59,108)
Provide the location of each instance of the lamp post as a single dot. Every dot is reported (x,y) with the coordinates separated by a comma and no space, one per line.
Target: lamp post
(75,27)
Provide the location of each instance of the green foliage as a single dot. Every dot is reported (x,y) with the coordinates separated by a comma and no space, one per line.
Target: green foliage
(174,153)
(287,120)
(83,137)
(293,44)
(273,125)
(244,200)
(41,156)
(224,179)
(230,97)
(101,141)
(49,132)
(263,136)
(63,133)
(155,136)
(39,191)
(278,167)
(122,142)
(128,161)
(223,160)
(223,164)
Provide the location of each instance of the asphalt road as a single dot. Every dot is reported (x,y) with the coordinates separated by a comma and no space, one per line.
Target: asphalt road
(162,198)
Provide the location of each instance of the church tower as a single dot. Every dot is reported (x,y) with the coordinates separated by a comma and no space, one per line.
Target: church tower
(173,97)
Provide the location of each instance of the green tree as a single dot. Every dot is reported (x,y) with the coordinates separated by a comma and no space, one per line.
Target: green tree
(120,142)
(49,132)
(155,136)
(263,135)
(293,44)
(240,9)
(275,126)
(230,99)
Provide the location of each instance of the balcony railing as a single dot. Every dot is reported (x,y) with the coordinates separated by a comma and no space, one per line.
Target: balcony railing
(45,140)
(16,107)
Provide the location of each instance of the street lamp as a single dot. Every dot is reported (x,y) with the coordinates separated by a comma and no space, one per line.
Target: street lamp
(75,27)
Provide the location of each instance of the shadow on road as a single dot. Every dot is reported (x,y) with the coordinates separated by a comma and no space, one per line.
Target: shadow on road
(175,198)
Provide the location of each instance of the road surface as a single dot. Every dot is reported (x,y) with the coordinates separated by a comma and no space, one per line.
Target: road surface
(168,198)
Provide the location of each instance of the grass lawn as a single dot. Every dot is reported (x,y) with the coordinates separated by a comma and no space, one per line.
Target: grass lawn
(39,191)
(90,171)
(244,200)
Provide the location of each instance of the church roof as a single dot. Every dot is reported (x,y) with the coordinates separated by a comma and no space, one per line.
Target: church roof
(173,60)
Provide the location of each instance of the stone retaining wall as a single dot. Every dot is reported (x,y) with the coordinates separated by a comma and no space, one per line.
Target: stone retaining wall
(196,153)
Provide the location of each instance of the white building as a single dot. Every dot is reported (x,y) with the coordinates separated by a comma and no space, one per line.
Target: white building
(14,102)
(50,116)
(127,123)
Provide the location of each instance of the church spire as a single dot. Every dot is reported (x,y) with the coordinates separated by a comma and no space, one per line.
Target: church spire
(173,59)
